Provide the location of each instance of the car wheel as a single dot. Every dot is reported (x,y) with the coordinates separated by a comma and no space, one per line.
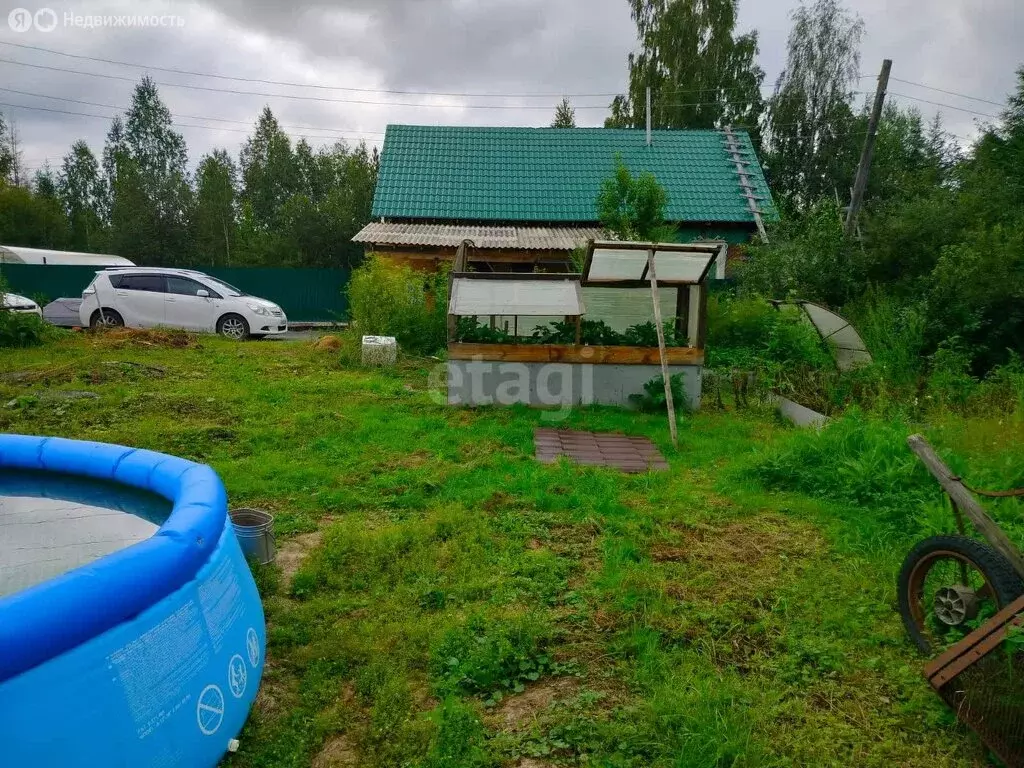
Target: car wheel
(106,318)
(233,327)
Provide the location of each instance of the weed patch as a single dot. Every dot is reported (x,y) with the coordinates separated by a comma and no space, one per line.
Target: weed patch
(856,460)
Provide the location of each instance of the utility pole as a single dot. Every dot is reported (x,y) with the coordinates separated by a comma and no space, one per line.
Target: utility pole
(648,115)
(868,154)
(14,142)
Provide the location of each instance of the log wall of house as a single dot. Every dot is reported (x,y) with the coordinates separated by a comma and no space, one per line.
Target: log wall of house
(428,259)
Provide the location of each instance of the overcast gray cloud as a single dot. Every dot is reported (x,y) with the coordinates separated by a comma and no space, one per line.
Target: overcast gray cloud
(450,46)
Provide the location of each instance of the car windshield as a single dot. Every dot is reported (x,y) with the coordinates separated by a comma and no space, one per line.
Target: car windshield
(225,289)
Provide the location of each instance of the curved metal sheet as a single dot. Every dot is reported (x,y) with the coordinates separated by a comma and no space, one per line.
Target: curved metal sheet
(847,346)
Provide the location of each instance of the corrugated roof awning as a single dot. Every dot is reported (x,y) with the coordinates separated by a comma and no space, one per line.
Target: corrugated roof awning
(452,235)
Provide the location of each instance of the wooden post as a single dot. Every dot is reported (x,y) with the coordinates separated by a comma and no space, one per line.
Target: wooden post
(702,317)
(662,354)
(453,322)
(682,312)
(965,502)
(579,329)
(868,153)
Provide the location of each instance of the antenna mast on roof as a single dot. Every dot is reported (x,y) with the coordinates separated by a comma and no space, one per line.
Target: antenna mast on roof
(648,116)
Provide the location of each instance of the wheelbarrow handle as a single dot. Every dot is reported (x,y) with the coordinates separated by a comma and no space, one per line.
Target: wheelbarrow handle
(961,496)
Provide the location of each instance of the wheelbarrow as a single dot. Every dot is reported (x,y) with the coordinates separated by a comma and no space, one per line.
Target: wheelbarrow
(962,602)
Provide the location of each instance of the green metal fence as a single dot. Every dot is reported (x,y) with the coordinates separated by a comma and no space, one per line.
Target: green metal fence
(306,295)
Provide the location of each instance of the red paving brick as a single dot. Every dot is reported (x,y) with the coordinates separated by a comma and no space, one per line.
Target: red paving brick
(629,454)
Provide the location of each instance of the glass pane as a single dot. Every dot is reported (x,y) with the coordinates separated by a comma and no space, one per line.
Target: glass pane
(514,297)
(617,265)
(150,283)
(680,267)
(182,286)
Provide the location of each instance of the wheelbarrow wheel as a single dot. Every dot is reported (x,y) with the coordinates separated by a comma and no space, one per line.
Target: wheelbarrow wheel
(949,586)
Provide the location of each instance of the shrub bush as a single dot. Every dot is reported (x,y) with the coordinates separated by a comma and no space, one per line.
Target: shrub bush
(808,258)
(387,299)
(18,329)
(779,346)
(751,333)
(652,399)
(893,330)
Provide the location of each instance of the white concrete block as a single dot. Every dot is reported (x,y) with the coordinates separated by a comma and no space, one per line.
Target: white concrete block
(380,350)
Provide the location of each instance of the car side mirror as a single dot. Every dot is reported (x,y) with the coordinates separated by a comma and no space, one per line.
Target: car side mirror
(202,293)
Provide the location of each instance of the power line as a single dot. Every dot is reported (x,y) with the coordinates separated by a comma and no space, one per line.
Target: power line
(950,93)
(467,94)
(295,96)
(945,106)
(189,117)
(177,125)
(309,85)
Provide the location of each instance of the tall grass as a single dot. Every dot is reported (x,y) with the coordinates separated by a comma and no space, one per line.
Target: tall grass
(863,463)
(854,460)
(894,333)
(906,378)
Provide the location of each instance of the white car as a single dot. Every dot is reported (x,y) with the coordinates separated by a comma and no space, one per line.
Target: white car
(21,304)
(141,297)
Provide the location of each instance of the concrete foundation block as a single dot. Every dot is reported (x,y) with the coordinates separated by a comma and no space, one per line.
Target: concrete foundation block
(483,382)
(380,350)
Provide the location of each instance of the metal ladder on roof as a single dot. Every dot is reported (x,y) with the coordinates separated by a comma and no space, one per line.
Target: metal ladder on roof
(741,156)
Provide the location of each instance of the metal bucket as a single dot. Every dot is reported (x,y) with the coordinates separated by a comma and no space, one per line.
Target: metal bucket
(255,531)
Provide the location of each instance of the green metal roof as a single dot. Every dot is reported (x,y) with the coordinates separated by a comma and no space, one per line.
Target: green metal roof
(554,174)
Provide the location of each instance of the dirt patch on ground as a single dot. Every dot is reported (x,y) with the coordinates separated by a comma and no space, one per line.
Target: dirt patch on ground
(739,559)
(336,753)
(119,338)
(532,762)
(413,460)
(328,344)
(293,553)
(519,711)
(277,693)
(42,374)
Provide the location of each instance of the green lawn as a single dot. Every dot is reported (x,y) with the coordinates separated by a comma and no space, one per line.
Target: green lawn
(443,600)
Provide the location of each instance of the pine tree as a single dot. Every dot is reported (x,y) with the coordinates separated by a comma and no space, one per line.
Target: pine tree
(565,115)
(214,217)
(81,192)
(269,171)
(150,195)
(6,158)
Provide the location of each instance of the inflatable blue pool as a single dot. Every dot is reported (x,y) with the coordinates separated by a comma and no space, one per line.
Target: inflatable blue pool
(131,631)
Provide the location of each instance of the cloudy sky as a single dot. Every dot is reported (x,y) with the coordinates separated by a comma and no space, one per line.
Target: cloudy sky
(367,63)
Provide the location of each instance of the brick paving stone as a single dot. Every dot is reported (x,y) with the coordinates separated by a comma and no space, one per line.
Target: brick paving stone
(623,452)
